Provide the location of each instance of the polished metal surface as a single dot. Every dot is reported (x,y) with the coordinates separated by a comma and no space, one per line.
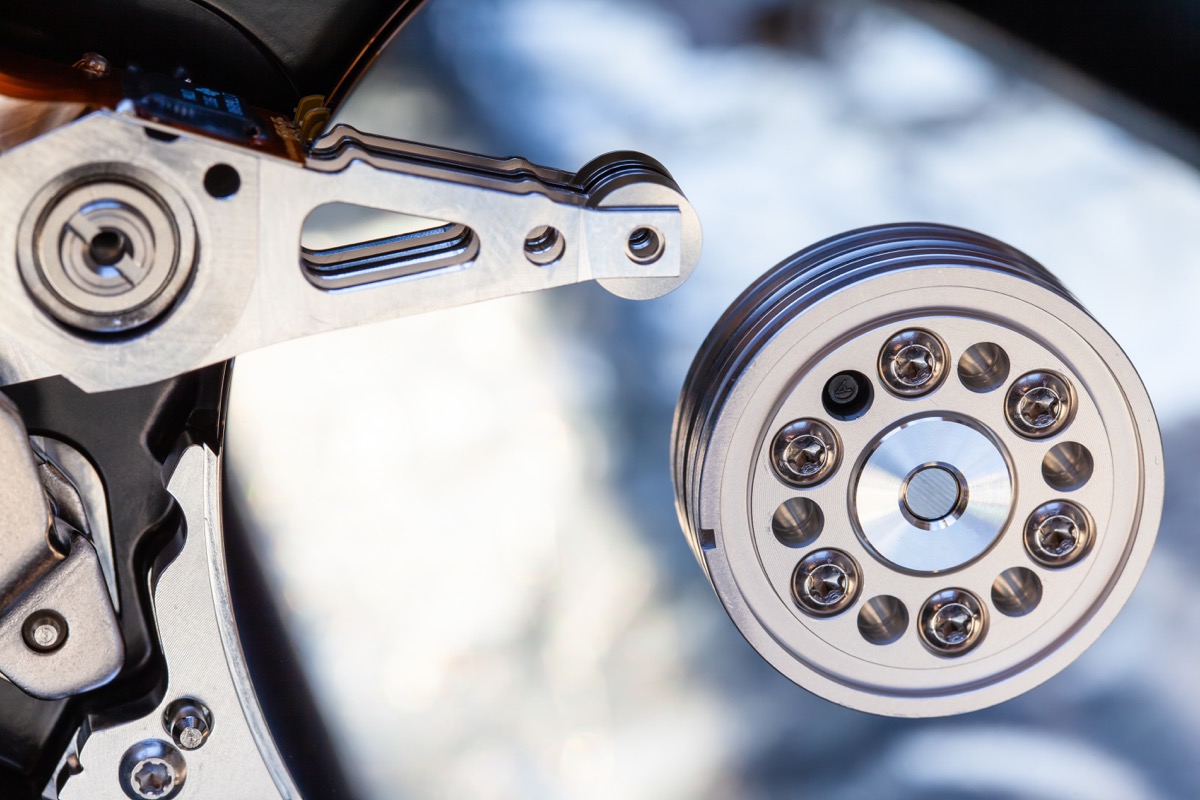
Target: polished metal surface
(805,452)
(189,722)
(1039,404)
(912,363)
(621,221)
(952,622)
(936,489)
(960,503)
(204,663)
(825,583)
(1058,533)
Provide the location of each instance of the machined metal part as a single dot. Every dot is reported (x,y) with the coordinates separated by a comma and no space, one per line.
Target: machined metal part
(949,499)
(805,452)
(206,673)
(58,630)
(231,277)
(825,583)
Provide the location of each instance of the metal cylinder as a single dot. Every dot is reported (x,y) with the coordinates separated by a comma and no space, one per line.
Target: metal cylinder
(967,392)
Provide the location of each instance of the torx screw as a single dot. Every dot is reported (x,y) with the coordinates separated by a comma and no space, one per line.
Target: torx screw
(805,452)
(1058,533)
(825,582)
(1039,404)
(152,778)
(912,362)
(952,622)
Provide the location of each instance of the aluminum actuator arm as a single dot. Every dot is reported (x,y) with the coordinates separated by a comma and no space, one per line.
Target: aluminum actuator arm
(146,253)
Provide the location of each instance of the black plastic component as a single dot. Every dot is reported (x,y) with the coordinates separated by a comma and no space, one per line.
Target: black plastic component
(130,436)
(270,52)
(847,395)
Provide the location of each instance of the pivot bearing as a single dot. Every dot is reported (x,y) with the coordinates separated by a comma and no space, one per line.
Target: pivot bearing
(108,249)
(893,456)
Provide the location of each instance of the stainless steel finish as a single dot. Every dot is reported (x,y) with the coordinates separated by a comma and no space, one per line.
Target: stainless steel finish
(106,248)
(204,660)
(44,631)
(152,770)
(934,490)
(825,583)
(76,491)
(1039,404)
(963,519)
(189,722)
(58,631)
(952,622)
(248,287)
(1058,533)
(805,452)
(912,363)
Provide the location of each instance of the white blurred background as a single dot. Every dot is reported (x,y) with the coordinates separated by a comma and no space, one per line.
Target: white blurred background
(469,514)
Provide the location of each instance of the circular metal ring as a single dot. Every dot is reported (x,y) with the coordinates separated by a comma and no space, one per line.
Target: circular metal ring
(107,248)
(935,488)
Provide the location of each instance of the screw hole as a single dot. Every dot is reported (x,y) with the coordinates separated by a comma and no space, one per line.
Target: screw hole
(983,367)
(882,619)
(1016,591)
(645,246)
(1067,466)
(544,245)
(222,181)
(107,247)
(798,522)
(847,395)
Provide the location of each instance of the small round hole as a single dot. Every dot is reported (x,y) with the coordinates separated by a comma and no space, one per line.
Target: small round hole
(984,367)
(544,245)
(882,619)
(1067,466)
(107,247)
(847,395)
(222,181)
(645,246)
(1016,591)
(798,522)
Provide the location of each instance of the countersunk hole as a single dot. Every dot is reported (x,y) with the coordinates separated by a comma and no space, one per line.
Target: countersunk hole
(107,247)
(1067,466)
(983,367)
(882,619)
(544,245)
(847,395)
(645,246)
(798,522)
(1016,591)
(222,181)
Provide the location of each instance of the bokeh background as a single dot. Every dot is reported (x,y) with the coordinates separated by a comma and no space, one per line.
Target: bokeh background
(469,515)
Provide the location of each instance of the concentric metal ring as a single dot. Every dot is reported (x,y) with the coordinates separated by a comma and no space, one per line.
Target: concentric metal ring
(945,510)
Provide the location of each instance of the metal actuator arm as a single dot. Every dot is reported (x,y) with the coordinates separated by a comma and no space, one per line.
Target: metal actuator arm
(145,253)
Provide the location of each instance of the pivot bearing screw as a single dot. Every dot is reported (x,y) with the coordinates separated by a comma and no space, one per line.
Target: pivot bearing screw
(1058,533)
(912,363)
(189,723)
(952,622)
(1039,404)
(805,452)
(825,582)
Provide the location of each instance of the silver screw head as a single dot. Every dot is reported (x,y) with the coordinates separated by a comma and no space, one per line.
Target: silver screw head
(1058,534)
(44,631)
(825,582)
(189,722)
(805,452)
(1039,404)
(152,770)
(912,363)
(952,622)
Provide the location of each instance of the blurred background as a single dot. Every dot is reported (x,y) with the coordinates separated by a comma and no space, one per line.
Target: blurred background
(469,516)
